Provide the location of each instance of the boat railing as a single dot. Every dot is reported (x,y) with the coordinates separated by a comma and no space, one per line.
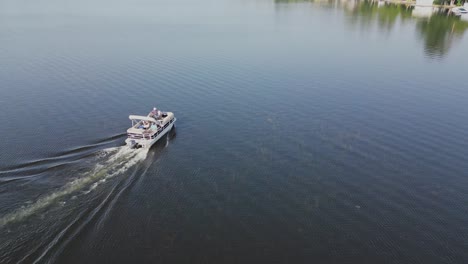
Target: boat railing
(149,134)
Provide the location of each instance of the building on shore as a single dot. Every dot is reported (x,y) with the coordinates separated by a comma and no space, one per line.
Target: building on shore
(423,8)
(424,2)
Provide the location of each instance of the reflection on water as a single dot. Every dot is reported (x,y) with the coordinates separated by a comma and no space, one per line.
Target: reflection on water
(368,13)
(423,11)
(436,29)
(438,33)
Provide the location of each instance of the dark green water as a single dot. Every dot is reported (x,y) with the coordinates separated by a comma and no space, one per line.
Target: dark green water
(307,132)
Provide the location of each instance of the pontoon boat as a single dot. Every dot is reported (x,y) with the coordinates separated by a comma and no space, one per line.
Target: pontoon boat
(146,130)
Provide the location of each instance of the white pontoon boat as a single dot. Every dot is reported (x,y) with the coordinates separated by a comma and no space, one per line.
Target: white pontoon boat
(458,11)
(146,130)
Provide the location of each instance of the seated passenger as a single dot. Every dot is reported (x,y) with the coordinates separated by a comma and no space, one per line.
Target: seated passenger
(146,124)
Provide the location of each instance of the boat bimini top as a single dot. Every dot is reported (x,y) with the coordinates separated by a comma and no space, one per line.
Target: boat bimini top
(142,118)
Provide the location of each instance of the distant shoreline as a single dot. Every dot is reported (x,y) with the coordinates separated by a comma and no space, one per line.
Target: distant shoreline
(413,3)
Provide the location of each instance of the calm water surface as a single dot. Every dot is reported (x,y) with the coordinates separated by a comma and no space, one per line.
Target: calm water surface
(307,132)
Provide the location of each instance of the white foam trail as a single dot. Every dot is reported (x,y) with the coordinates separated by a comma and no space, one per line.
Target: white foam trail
(118,163)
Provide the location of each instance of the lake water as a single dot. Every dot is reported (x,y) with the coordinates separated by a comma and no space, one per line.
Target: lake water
(307,132)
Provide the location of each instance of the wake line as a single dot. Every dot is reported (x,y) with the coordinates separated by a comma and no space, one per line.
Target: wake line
(61,158)
(122,160)
(109,200)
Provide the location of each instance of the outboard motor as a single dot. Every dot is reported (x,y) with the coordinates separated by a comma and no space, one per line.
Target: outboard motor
(134,145)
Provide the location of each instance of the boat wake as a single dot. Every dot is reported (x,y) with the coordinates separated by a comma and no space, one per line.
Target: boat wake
(111,162)
(31,169)
(49,203)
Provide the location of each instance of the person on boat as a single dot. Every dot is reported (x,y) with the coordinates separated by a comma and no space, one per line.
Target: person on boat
(146,124)
(154,112)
